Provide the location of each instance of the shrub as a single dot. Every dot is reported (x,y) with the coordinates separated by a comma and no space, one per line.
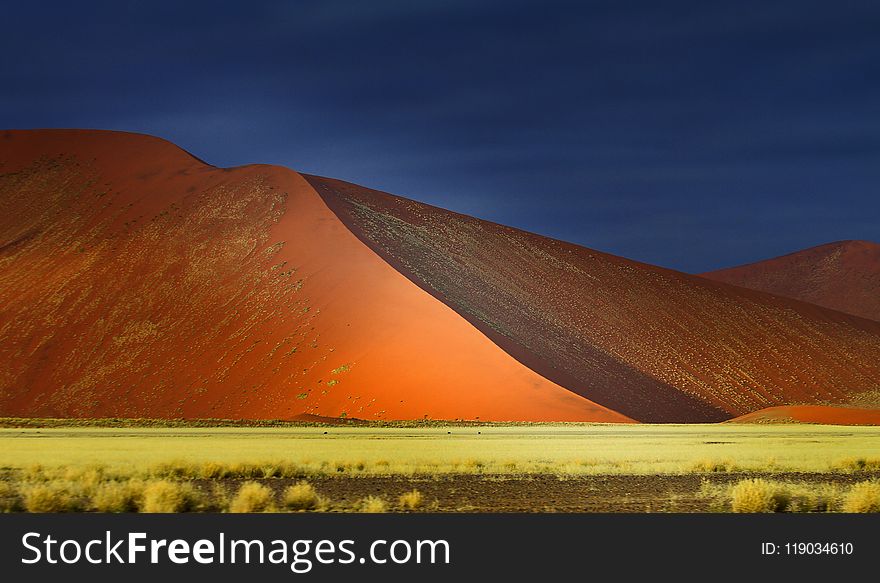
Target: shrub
(713,466)
(166,496)
(373,505)
(9,499)
(758,495)
(213,471)
(175,470)
(813,498)
(219,501)
(410,500)
(863,497)
(252,497)
(117,496)
(54,496)
(859,464)
(301,496)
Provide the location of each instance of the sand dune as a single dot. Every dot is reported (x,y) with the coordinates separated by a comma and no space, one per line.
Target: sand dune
(136,280)
(654,344)
(842,276)
(821,414)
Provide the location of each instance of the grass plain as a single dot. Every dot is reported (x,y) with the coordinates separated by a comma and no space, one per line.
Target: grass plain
(450,467)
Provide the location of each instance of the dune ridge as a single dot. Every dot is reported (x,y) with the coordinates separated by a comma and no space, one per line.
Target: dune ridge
(138,281)
(652,343)
(843,276)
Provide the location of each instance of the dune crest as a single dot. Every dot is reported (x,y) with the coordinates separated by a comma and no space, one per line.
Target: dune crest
(654,344)
(138,281)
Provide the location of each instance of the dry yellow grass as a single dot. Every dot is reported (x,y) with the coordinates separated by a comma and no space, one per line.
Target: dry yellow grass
(863,497)
(117,496)
(373,505)
(762,495)
(165,496)
(54,496)
(757,495)
(9,498)
(714,466)
(301,496)
(253,497)
(62,469)
(859,464)
(558,449)
(411,500)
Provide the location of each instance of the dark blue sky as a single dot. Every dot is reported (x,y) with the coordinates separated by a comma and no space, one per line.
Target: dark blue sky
(692,135)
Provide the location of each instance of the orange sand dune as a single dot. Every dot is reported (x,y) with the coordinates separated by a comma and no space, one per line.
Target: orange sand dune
(136,280)
(842,276)
(654,344)
(822,414)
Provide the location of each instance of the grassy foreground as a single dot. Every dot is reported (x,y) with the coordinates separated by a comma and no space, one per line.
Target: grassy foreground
(269,468)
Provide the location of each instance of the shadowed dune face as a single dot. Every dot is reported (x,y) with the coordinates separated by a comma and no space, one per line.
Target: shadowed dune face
(654,344)
(842,276)
(137,281)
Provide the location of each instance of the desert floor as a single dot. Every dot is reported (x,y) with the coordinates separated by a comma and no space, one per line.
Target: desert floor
(455,468)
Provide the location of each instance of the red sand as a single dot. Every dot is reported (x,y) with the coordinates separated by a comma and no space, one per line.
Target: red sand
(842,276)
(822,414)
(138,281)
(135,280)
(654,344)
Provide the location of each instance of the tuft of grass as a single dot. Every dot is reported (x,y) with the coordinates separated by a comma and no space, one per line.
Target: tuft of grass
(211,470)
(858,464)
(863,497)
(219,499)
(705,466)
(165,496)
(411,500)
(813,498)
(253,497)
(116,496)
(759,495)
(301,496)
(54,496)
(9,498)
(373,505)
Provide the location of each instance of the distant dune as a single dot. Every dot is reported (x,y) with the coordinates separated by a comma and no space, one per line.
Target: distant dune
(842,276)
(821,414)
(138,281)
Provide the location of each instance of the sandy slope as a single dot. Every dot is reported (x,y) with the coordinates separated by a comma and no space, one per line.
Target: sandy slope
(654,344)
(821,414)
(137,281)
(843,276)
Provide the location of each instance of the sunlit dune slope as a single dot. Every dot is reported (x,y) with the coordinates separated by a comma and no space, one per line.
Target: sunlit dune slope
(821,414)
(135,280)
(843,276)
(653,344)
